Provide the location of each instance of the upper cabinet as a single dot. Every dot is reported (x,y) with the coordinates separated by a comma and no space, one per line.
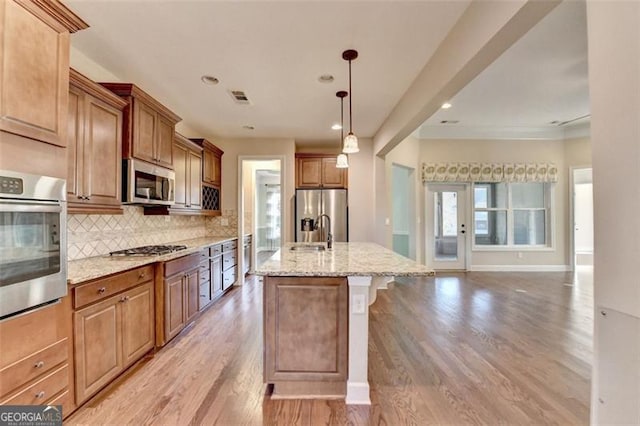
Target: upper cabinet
(149,126)
(94,148)
(211,177)
(319,171)
(34,59)
(188,168)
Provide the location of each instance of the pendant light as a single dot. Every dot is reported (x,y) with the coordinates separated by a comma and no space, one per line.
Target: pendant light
(342,161)
(351,141)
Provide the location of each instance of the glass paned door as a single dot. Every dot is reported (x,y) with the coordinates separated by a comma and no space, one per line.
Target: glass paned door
(446,229)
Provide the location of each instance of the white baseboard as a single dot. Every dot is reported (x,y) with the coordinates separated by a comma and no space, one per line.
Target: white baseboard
(357,393)
(520,268)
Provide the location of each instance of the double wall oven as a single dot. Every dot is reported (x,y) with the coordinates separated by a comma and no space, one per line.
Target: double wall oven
(33,241)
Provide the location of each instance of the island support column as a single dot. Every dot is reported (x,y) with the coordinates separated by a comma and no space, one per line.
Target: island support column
(358,382)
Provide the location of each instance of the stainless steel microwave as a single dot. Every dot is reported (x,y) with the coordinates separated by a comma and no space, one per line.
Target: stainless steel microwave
(145,183)
(33,241)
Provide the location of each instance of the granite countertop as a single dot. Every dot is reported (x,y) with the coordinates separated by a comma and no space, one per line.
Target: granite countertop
(79,271)
(345,259)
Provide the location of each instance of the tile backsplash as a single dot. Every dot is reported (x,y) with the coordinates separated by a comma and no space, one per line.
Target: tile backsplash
(96,235)
(225,225)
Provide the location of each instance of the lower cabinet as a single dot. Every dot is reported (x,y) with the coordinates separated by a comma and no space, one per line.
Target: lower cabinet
(180,300)
(36,358)
(112,332)
(229,264)
(216,274)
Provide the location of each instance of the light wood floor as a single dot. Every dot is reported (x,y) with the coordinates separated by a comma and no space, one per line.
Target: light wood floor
(474,348)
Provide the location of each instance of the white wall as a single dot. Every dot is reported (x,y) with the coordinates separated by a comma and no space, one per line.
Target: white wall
(614,86)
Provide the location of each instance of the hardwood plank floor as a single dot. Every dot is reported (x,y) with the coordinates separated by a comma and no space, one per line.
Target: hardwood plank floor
(469,348)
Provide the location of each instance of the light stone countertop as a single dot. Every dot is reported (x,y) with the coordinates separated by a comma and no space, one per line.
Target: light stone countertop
(344,259)
(79,271)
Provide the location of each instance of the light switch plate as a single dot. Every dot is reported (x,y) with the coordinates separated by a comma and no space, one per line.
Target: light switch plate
(224,221)
(357,304)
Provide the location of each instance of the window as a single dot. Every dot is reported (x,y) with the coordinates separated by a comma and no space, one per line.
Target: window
(511,214)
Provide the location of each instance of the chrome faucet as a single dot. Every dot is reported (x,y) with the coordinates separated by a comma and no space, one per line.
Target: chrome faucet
(329,234)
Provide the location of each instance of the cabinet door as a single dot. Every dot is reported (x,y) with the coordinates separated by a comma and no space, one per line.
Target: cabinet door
(34,81)
(192,288)
(216,167)
(309,172)
(195,180)
(207,166)
(174,305)
(164,143)
(75,145)
(144,134)
(182,176)
(102,152)
(138,332)
(216,276)
(333,177)
(98,346)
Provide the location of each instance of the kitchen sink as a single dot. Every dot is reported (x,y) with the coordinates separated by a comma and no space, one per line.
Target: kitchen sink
(308,247)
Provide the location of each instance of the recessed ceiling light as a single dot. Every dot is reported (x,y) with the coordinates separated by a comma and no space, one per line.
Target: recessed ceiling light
(209,79)
(446,105)
(325,78)
(248,127)
(336,126)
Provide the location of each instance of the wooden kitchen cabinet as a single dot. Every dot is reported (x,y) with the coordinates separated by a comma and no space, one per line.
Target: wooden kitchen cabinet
(216,274)
(179,302)
(36,357)
(148,128)
(113,327)
(319,171)
(211,177)
(94,152)
(229,264)
(34,59)
(188,168)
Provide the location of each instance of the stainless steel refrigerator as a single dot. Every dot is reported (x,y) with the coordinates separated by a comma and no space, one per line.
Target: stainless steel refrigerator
(311,203)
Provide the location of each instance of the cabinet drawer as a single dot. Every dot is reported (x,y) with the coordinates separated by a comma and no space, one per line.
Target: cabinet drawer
(181,264)
(229,277)
(229,260)
(43,389)
(230,245)
(15,375)
(247,240)
(204,276)
(204,255)
(103,288)
(216,250)
(64,399)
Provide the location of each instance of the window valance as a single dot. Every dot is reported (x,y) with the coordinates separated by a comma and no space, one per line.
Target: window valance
(489,172)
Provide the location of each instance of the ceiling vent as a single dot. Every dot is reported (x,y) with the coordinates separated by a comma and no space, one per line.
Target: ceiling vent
(239,97)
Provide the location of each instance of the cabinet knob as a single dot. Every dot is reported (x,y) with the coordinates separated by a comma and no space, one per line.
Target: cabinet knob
(40,395)
(80,197)
(141,275)
(38,364)
(101,290)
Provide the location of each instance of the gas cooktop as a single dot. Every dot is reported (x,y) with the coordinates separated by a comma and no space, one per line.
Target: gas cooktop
(149,250)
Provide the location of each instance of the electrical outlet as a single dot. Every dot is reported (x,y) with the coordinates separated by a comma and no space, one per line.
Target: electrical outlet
(224,221)
(387,221)
(520,255)
(357,304)
(167,218)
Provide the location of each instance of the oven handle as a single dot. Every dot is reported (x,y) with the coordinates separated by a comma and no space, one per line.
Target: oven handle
(25,206)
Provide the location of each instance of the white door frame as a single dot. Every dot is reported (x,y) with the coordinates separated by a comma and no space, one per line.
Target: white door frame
(466,217)
(240,189)
(572,218)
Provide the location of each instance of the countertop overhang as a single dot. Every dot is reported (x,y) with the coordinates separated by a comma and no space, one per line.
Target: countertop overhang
(343,260)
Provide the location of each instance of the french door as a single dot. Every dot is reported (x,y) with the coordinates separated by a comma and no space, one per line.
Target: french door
(446,227)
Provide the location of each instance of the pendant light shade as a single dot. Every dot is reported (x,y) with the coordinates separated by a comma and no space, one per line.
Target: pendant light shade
(350,144)
(342,162)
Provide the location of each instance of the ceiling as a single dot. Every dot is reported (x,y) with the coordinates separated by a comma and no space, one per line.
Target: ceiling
(274,51)
(540,79)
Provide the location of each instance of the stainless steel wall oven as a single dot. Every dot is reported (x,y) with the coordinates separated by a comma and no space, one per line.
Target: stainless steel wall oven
(33,241)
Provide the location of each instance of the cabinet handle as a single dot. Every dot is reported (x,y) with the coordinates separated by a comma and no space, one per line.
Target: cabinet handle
(141,275)
(87,198)
(126,298)
(40,395)
(38,364)
(101,290)
(80,197)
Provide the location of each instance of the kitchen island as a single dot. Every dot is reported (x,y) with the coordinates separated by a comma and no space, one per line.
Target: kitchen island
(316,316)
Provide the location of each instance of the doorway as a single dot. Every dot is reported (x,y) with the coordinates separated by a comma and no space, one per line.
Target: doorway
(403,200)
(446,229)
(582,203)
(260,205)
